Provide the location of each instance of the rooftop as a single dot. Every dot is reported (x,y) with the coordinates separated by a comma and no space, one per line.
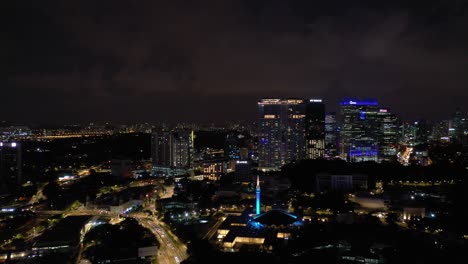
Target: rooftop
(276,218)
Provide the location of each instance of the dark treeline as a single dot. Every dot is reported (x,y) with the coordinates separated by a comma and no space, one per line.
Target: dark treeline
(42,156)
(302,173)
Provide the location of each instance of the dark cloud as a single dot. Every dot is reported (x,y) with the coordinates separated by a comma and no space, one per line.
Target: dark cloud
(211,60)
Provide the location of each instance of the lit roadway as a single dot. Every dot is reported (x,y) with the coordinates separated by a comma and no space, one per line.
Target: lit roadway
(171,249)
(404,159)
(169,191)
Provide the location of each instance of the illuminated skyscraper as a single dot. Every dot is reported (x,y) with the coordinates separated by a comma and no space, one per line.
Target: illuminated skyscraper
(271,145)
(281,131)
(295,129)
(359,132)
(10,166)
(331,135)
(182,149)
(388,135)
(315,129)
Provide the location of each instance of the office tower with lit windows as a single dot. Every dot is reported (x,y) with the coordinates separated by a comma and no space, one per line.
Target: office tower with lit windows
(440,131)
(315,129)
(331,135)
(10,166)
(359,131)
(281,131)
(422,131)
(410,134)
(271,125)
(388,135)
(295,129)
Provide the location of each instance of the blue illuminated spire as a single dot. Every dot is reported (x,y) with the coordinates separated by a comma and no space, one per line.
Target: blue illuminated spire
(257,192)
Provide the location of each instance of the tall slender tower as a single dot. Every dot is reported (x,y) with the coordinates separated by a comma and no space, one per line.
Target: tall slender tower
(257,201)
(281,132)
(315,129)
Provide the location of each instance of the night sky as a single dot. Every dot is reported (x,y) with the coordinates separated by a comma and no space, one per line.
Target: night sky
(211,60)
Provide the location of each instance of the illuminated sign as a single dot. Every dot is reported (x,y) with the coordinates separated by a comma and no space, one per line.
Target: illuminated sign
(269,101)
(241,162)
(356,102)
(294,101)
(297,116)
(269,116)
(6,144)
(315,100)
(383,110)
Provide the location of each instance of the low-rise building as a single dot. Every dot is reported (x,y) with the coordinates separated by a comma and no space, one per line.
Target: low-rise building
(340,182)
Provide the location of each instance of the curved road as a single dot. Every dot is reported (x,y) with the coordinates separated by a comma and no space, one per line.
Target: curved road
(171,249)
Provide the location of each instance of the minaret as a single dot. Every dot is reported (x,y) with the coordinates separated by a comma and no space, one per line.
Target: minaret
(257,201)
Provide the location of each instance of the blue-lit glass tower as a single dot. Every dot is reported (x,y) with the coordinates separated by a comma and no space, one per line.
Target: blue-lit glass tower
(359,132)
(257,200)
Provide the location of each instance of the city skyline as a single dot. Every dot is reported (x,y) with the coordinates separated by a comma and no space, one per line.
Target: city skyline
(250,116)
(234,131)
(198,62)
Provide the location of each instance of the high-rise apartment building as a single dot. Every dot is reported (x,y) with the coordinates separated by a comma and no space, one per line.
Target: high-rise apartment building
(315,129)
(161,148)
(172,148)
(182,149)
(281,131)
